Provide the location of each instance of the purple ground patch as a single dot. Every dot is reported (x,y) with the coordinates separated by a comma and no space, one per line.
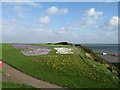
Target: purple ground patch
(31,50)
(35,52)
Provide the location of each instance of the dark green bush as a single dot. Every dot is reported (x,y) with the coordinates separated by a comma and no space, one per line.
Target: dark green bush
(49,43)
(77,45)
(63,43)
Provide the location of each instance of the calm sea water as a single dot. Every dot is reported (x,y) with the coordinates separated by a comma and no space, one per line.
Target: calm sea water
(108,48)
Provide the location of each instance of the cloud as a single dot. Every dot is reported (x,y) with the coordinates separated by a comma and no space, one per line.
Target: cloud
(15,31)
(54,10)
(21,15)
(44,20)
(19,12)
(92,12)
(33,4)
(17,8)
(111,24)
(113,21)
(89,17)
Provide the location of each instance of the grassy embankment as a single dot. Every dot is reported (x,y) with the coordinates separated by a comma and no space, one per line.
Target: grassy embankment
(71,70)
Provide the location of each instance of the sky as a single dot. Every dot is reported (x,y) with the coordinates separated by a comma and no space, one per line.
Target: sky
(50,22)
(59,0)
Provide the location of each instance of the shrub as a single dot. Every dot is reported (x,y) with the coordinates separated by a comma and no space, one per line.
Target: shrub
(49,43)
(77,45)
(63,43)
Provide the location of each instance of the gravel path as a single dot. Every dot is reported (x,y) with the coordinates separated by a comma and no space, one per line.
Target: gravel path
(14,75)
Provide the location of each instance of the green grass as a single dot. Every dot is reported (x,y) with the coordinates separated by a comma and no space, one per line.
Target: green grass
(71,70)
(14,85)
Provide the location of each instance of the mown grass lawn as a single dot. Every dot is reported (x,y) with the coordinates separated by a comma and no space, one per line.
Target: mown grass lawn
(14,85)
(70,70)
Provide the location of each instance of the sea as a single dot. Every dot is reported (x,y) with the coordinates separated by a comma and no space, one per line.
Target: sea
(107,48)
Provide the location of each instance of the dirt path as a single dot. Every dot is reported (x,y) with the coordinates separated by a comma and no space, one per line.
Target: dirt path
(14,75)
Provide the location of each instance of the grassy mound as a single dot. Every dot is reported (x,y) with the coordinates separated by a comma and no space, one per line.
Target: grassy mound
(67,70)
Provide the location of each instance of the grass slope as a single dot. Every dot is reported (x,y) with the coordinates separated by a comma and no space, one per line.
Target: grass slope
(71,70)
